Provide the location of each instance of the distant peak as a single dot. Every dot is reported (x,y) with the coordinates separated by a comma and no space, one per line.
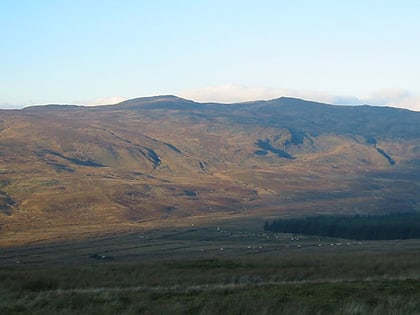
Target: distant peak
(52,107)
(162,97)
(155,99)
(161,101)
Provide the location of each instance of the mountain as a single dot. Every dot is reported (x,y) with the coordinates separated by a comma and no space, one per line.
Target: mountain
(151,160)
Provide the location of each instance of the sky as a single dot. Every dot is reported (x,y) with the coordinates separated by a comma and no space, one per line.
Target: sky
(95,52)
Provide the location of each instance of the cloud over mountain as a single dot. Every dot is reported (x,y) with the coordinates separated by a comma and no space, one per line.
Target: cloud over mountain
(109,100)
(231,93)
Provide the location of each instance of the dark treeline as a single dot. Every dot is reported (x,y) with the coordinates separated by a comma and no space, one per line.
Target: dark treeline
(386,227)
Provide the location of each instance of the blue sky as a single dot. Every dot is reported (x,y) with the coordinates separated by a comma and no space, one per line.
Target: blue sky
(95,52)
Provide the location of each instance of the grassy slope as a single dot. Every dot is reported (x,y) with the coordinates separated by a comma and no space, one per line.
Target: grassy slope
(166,158)
(166,271)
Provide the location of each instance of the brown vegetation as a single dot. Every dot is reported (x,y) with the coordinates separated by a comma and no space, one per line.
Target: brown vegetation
(184,271)
(110,168)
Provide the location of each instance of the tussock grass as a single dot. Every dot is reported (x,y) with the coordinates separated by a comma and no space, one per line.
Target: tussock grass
(379,297)
(325,284)
(163,272)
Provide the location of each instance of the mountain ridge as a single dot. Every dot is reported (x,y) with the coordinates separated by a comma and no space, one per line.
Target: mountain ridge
(172,97)
(162,158)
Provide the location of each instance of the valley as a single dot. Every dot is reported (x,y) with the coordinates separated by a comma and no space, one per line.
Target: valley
(158,205)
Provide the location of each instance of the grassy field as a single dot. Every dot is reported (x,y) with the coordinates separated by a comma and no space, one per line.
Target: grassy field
(230,267)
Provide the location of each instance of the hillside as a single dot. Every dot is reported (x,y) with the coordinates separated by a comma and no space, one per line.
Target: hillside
(149,160)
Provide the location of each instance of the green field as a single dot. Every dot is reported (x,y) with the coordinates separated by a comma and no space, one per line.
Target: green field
(228,268)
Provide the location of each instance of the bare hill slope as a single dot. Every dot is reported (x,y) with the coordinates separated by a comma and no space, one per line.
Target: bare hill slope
(160,158)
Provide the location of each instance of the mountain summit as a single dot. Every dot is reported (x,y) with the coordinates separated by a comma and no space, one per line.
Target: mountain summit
(160,158)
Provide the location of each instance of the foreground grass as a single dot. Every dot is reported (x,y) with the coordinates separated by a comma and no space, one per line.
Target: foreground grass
(378,297)
(326,284)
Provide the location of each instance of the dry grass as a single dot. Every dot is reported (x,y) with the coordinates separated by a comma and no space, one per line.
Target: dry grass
(184,271)
(208,287)
(48,169)
(179,206)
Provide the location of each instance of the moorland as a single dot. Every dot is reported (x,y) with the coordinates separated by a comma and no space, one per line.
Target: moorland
(76,170)
(157,205)
(211,268)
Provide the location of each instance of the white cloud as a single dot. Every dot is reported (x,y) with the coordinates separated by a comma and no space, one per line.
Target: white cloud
(232,93)
(412,102)
(102,101)
(9,106)
(395,98)
(384,96)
